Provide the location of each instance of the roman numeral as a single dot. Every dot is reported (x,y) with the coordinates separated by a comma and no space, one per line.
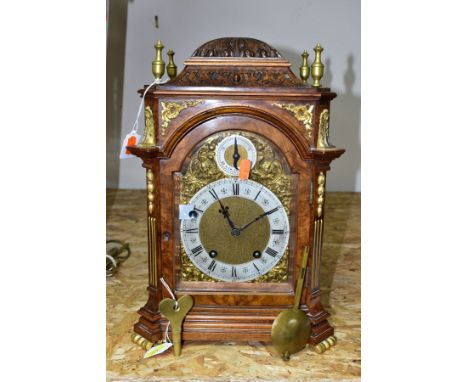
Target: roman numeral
(258,270)
(212,266)
(277,231)
(214,194)
(271,252)
(271,211)
(197,250)
(257,194)
(235,188)
(234,272)
(191,230)
(197,209)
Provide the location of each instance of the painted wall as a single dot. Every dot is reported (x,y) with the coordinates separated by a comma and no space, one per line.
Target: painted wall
(115,69)
(289,26)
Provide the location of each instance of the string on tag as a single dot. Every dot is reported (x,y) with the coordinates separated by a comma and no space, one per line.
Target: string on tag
(170,292)
(155,82)
(166,334)
(133,138)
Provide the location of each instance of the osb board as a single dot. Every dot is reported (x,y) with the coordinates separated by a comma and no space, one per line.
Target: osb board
(250,361)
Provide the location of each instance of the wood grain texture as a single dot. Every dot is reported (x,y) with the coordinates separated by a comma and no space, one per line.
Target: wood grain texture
(242,93)
(245,360)
(223,300)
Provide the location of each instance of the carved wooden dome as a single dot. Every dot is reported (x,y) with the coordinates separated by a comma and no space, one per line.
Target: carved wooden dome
(236,47)
(237,62)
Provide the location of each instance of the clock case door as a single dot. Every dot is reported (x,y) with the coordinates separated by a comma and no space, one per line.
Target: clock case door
(183,113)
(232,310)
(271,171)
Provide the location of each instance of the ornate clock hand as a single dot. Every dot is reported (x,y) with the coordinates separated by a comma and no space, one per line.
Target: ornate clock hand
(236,155)
(223,210)
(258,218)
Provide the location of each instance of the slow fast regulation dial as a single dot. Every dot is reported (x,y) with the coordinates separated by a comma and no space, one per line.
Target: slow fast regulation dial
(231,150)
(238,230)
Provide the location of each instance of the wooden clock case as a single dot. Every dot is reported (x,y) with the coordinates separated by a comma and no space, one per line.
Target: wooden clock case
(244,82)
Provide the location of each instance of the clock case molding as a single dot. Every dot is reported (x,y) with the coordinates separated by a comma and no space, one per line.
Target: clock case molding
(224,80)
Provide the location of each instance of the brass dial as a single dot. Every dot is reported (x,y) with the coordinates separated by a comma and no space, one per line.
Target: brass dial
(202,168)
(214,234)
(238,231)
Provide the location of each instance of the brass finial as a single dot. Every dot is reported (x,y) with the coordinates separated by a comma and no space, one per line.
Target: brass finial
(317,66)
(304,69)
(171,66)
(159,66)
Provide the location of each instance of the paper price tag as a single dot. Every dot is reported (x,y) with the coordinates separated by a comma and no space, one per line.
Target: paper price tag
(157,349)
(131,139)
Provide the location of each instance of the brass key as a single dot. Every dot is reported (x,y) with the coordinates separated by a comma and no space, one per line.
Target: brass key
(176,314)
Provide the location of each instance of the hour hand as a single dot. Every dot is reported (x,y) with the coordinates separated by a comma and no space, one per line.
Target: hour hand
(236,155)
(223,210)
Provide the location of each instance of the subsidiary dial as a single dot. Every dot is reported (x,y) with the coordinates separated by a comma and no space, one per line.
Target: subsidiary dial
(231,150)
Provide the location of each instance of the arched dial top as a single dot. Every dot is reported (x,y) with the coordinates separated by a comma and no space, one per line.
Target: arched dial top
(238,231)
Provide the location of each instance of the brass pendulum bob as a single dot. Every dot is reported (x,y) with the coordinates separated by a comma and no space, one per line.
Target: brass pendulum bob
(317,66)
(158,65)
(171,66)
(290,331)
(304,68)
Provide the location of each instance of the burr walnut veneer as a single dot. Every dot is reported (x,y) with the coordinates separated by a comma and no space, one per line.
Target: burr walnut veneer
(245,86)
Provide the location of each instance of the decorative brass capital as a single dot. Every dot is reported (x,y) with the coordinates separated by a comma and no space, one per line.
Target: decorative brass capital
(149,139)
(171,110)
(304,70)
(303,113)
(317,66)
(324,132)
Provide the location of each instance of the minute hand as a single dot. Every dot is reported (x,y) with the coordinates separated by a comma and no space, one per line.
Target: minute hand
(258,218)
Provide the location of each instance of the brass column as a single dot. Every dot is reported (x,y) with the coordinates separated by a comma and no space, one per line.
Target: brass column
(152,229)
(318,230)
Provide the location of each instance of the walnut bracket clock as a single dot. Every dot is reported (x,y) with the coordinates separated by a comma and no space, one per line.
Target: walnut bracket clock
(236,151)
